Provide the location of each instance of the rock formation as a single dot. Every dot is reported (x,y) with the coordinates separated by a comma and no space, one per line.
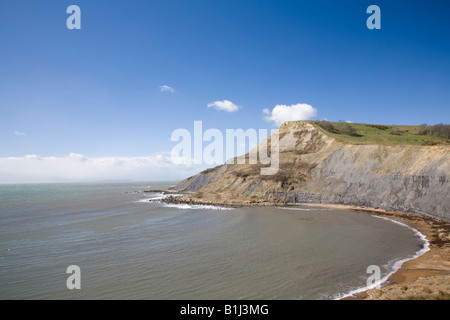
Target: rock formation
(316,168)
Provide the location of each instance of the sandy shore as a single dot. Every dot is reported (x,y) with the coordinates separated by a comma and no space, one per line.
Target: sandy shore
(427,276)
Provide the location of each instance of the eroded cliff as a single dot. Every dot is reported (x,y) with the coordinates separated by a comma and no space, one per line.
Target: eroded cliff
(316,168)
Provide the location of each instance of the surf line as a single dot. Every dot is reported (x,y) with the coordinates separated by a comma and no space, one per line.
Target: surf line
(397,265)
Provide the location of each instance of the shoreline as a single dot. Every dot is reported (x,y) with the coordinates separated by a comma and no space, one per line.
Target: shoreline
(426,276)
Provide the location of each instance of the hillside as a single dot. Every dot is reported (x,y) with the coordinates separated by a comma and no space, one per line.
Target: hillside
(381,134)
(371,168)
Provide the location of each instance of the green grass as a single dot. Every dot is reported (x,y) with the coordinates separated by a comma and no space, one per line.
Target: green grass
(380,134)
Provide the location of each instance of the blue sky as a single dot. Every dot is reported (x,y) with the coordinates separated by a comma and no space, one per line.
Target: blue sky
(96,91)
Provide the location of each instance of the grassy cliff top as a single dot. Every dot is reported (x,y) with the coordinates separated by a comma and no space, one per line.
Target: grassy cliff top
(360,133)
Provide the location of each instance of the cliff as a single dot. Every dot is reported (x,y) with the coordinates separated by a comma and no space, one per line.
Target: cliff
(315,167)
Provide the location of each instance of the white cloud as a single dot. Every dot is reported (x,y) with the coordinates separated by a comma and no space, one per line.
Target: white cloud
(283,113)
(18,133)
(348,121)
(165,88)
(76,167)
(224,105)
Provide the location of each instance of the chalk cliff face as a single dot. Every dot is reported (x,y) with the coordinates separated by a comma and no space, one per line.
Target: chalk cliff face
(315,168)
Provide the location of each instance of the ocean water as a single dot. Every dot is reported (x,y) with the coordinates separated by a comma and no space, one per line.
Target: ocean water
(130,248)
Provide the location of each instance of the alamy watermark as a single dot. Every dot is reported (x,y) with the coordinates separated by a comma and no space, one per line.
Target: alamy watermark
(374,20)
(231,147)
(74,280)
(374,280)
(74,20)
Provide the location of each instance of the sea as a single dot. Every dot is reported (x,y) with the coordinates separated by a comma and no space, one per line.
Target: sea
(128,244)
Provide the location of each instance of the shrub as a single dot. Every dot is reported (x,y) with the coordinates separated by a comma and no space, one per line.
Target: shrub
(422,129)
(438,130)
(346,128)
(395,131)
(326,126)
(378,126)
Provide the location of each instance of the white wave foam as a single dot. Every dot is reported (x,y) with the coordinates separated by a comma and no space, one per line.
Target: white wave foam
(195,206)
(395,265)
(158,197)
(296,209)
(304,209)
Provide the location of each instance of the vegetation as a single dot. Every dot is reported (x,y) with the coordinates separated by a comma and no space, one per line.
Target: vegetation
(395,131)
(359,133)
(438,130)
(327,126)
(378,126)
(346,128)
(339,127)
